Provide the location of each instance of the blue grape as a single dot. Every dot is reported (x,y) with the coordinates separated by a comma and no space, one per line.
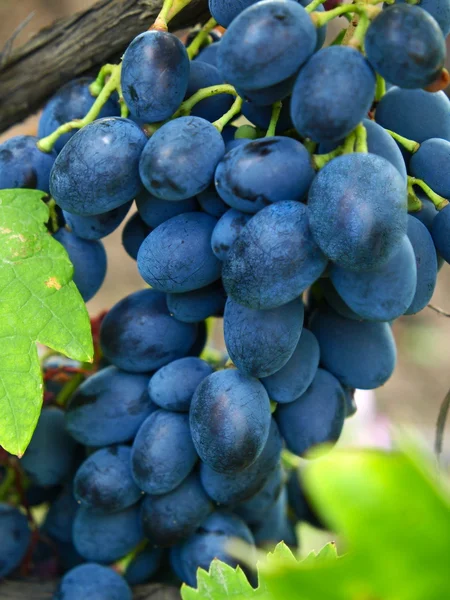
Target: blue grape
(275,527)
(50,456)
(209,54)
(230,420)
(72,101)
(224,11)
(229,489)
(94,582)
(317,417)
(139,335)
(274,259)
(263,171)
(361,354)
(268,95)
(439,9)
(23,165)
(198,305)
(253,511)
(261,115)
(227,230)
(15,536)
(415,114)
(427,212)
(299,502)
(230,146)
(61,514)
(154,211)
(328,101)
(177,255)
(155,73)
(405,45)
(89,262)
(383,294)
(133,234)
(143,566)
(203,75)
(292,380)
(357,206)
(426,261)
(97,170)
(95,227)
(173,386)
(172,517)
(105,538)
(440,232)
(431,163)
(108,408)
(260,342)
(334,300)
(163,453)
(211,541)
(292,38)
(179,159)
(104,481)
(211,202)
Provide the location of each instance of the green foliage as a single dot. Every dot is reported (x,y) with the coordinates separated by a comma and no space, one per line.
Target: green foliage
(38,303)
(394,513)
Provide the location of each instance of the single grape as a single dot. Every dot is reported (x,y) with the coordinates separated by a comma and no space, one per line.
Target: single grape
(72,101)
(133,235)
(89,262)
(15,536)
(198,305)
(139,335)
(143,566)
(230,420)
(170,518)
(163,454)
(179,159)
(253,511)
(211,202)
(23,165)
(154,211)
(440,232)
(95,227)
(108,408)
(260,342)
(173,386)
(204,75)
(209,54)
(92,581)
(334,300)
(427,212)
(274,259)
(155,73)
(275,527)
(268,95)
(299,502)
(431,163)
(224,11)
(97,170)
(58,523)
(439,9)
(227,230)
(332,94)
(426,261)
(317,417)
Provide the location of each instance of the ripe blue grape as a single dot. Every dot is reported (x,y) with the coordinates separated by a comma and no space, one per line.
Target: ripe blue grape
(173,386)
(203,75)
(15,536)
(361,354)
(170,518)
(139,335)
(209,54)
(439,9)
(253,510)
(23,165)
(405,45)
(275,527)
(105,538)
(154,211)
(163,453)
(177,255)
(440,232)
(292,38)
(357,206)
(292,380)
(104,481)
(89,262)
(133,234)
(426,261)
(226,232)
(179,159)
(49,458)
(72,101)
(198,305)
(431,163)
(97,170)
(59,520)
(95,227)
(274,259)
(428,211)
(317,417)
(259,172)
(108,408)
(224,11)
(328,101)
(92,581)
(230,420)
(211,202)
(268,95)
(260,342)
(143,566)
(155,73)
(335,301)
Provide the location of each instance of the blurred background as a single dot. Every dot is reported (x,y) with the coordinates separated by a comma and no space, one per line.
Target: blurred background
(422,378)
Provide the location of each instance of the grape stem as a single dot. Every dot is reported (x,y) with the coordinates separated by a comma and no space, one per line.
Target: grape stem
(46,144)
(96,86)
(161,21)
(320,160)
(357,39)
(53,218)
(414,203)
(291,462)
(410,145)
(276,110)
(380,88)
(229,115)
(122,565)
(313,5)
(439,201)
(322,18)
(69,388)
(361,139)
(202,94)
(202,36)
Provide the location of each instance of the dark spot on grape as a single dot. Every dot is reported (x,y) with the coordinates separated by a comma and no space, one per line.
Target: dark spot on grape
(133,93)
(30,181)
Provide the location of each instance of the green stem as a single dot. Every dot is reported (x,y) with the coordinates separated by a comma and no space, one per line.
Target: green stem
(201,37)
(310,145)
(69,388)
(177,6)
(349,144)
(200,95)
(357,39)
(161,21)
(122,565)
(53,216)
(290,461)
(276,109)
(320,160)
(410,145)
(414,203)
(313,5)
(229,115)
(361,139)
(46,144)
(96,86)
(338,39)
(439,201)
(380,89)
(322,18)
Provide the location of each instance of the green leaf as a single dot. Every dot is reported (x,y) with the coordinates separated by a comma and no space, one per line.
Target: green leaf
(219,583)
(328,552)
(38,303)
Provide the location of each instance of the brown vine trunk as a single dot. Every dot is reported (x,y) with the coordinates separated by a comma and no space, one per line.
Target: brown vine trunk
(76,45)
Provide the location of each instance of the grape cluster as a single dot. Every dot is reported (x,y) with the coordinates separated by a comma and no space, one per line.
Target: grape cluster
(309,230)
